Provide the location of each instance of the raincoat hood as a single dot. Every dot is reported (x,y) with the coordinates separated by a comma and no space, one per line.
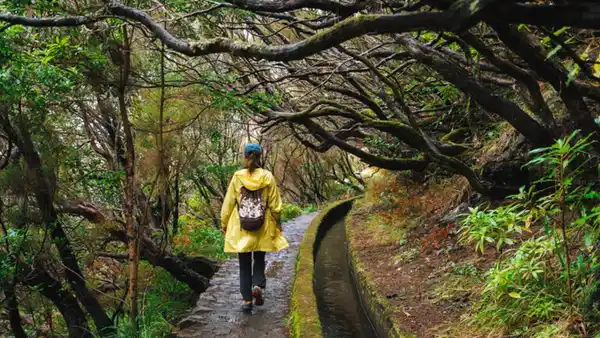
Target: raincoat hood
(259,179)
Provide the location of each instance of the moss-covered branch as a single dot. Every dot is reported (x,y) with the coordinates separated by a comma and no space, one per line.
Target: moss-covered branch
(461,15)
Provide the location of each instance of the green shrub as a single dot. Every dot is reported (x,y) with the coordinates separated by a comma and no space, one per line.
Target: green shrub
(163,303)
(290,211)
(524,291)
(543,288)
(496,226)
(196,237)
(310,208)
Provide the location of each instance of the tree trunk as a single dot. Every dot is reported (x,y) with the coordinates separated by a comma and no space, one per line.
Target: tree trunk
(519,119)
(66,304)
(180,270)
(44,197)
(12,307)
(129,166)
(539,105)
(194,271)
(533,54)
(176,206)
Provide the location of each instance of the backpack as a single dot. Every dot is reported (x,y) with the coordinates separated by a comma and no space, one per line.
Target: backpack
(252,209)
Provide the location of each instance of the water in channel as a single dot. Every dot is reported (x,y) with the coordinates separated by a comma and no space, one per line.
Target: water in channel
(339,307)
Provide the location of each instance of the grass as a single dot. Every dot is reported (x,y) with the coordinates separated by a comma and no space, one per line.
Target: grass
(407,255)
(163,301)
(455,287)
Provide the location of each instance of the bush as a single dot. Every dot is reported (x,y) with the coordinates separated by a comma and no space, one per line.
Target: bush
(310,208)
(196,237)
(495,226)
(545,287)
(289,212)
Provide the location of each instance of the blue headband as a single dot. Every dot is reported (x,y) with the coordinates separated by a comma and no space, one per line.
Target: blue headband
(251,147)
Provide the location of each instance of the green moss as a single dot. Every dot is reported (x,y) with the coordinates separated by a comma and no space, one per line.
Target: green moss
(407,255)
(304,315)
(454,134)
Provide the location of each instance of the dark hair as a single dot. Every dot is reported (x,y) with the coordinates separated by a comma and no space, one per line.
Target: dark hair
(253,160)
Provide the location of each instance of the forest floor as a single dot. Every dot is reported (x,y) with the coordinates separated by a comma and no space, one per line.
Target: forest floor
(218,310)
(409,251)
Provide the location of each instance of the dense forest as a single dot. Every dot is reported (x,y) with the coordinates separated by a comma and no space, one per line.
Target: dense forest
(121,123)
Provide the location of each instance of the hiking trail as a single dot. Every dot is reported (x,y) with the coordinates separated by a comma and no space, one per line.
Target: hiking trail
(218,310)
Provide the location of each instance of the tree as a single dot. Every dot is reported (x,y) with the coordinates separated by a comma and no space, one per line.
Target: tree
(145,102)
(373,95)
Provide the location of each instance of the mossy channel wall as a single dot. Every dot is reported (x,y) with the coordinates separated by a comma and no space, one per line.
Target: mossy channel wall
(304,321)
(377,308)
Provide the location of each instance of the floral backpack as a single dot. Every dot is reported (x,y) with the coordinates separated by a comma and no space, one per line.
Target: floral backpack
(252,209)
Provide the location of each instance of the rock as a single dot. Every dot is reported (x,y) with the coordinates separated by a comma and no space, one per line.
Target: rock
(190,321)
(431,281)
(201,309)
(453,215)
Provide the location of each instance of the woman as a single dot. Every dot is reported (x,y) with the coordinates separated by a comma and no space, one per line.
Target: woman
(251,244)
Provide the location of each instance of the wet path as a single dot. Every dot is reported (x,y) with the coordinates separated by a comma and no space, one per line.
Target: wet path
(218,314)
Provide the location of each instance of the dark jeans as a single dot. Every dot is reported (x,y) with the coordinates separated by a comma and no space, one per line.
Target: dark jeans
(251,276)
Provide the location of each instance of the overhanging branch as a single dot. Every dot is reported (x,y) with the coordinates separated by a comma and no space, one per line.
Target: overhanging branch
(54,21)
(462,14)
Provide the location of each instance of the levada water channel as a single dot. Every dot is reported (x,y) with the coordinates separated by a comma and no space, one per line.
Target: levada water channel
(339,305)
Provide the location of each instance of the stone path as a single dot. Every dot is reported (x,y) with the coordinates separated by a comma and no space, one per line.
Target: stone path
(218,314)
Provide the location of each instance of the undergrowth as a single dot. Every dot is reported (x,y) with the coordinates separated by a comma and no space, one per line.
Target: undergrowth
(290,211)
(544,284)
(164,301)
(198,238)
(310,208)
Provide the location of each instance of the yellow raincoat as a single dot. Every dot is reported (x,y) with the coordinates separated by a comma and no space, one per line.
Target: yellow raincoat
(269,237)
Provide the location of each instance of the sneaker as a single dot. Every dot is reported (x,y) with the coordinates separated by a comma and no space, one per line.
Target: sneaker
(257,293)
(247,307)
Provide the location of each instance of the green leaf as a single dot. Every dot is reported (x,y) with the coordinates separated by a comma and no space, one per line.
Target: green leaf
(514,295)
(553,52)
(573,74)
(588,239)
(539,150)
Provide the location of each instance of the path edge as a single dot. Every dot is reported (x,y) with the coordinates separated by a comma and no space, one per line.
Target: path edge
(377,308)
(304,314)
